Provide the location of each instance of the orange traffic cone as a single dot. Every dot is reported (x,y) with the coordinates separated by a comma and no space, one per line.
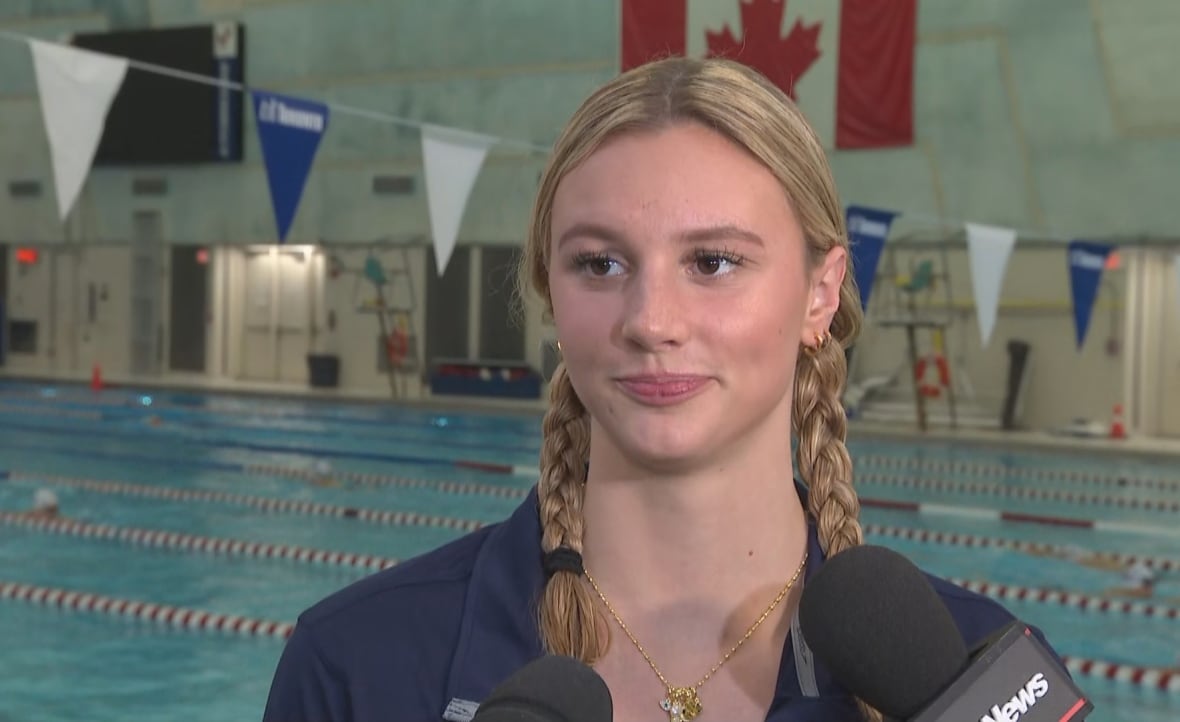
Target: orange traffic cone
(1118,429)
(96,378)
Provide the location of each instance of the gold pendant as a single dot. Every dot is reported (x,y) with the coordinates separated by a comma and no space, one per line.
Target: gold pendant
(682,704)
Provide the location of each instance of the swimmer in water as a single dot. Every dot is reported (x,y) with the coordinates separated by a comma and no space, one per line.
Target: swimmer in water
(323,474)
(45,505)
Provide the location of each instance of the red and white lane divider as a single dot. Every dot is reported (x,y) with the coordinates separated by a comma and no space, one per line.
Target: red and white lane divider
(163,614)
(874,461)
(1076,600)
(514,469)
(196,620)
(977,513)
(1154,678)
(194,543)
(402,518)
(263,503)
(1016,492)
(1161,564)
(461,488)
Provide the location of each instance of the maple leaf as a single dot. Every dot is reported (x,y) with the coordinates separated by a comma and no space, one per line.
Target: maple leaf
(781,59)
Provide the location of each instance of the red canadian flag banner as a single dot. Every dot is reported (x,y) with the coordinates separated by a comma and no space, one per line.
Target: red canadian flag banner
(848,64)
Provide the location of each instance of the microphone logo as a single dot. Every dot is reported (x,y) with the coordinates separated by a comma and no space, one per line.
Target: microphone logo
(1035,688)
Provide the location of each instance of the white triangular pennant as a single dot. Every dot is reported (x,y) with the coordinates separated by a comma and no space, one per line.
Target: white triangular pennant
(76,89)
(988,248)
(452,159)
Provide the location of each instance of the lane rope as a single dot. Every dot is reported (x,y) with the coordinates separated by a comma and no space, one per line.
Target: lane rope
(262,503)
(160,539)
(1017,492)
(1162,564)
(162,614)
(1075,600)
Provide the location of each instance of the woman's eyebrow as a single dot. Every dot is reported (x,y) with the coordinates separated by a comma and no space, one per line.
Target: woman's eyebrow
(716,233)
(590,230)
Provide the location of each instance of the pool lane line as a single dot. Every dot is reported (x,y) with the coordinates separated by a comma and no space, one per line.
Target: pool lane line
(398,518)
(870,461)
(160,539)
(163,614)
(460,488)
(1008,471)
(360,478)
(41,410)
(1074,600)
(1154,678)
(259,550)
(226,444)
(867,462)
(1161,564)
(1016,492)
(97,402)
(122,457)
(262,503)
(1018,517)
(138,414)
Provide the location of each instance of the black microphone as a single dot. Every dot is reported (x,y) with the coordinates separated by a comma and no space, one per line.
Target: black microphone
(549,689)
(874,620)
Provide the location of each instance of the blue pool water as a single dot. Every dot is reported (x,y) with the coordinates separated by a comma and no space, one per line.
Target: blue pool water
(64,665)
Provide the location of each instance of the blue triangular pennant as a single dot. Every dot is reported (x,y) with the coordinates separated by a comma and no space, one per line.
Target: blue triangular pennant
(289,130)
(867,230)
(1086,261)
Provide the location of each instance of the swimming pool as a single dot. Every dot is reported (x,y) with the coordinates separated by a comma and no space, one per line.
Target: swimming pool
(195,533)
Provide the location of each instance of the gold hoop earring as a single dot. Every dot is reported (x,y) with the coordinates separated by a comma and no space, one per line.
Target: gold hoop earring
(559,347)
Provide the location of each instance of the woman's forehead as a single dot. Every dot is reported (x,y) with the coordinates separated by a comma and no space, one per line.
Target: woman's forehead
(684,177)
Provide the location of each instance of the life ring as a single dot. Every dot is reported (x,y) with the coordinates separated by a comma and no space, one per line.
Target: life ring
(932,388)
(397,345)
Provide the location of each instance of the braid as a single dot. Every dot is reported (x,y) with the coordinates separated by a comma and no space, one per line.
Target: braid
(567,616)
(822,458)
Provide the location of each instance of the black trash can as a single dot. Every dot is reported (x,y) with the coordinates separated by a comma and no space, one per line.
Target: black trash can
(1018,352)
(323,370)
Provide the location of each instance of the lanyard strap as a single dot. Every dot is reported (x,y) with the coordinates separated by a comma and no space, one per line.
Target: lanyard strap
(804,661)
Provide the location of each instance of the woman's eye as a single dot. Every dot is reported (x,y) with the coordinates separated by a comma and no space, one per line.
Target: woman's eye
(597,264)
(717,264)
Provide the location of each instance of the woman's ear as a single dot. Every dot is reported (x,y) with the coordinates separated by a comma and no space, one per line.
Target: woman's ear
(824,299)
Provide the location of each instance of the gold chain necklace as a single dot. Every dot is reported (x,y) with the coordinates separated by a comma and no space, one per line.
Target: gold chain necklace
(684,703)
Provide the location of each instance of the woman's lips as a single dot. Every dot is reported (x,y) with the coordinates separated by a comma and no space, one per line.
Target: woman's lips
(662,390)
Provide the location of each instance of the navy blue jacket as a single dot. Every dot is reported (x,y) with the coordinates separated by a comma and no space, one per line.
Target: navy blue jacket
(448,626)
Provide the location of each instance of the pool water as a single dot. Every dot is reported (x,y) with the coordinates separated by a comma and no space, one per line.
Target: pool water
(242,453)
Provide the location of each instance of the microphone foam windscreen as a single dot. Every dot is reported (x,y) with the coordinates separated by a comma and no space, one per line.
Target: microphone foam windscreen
(875,621)
(549,689)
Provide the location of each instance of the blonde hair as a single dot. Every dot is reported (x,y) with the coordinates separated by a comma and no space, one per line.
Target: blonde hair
(743,106)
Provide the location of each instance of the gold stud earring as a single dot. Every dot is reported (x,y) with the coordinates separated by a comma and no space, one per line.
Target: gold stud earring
(821,341)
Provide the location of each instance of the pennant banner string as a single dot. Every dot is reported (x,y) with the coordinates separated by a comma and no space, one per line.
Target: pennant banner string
(1047,236)
(340,108)
(241,88)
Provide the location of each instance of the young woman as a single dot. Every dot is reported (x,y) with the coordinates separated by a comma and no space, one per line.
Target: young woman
(689,244)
